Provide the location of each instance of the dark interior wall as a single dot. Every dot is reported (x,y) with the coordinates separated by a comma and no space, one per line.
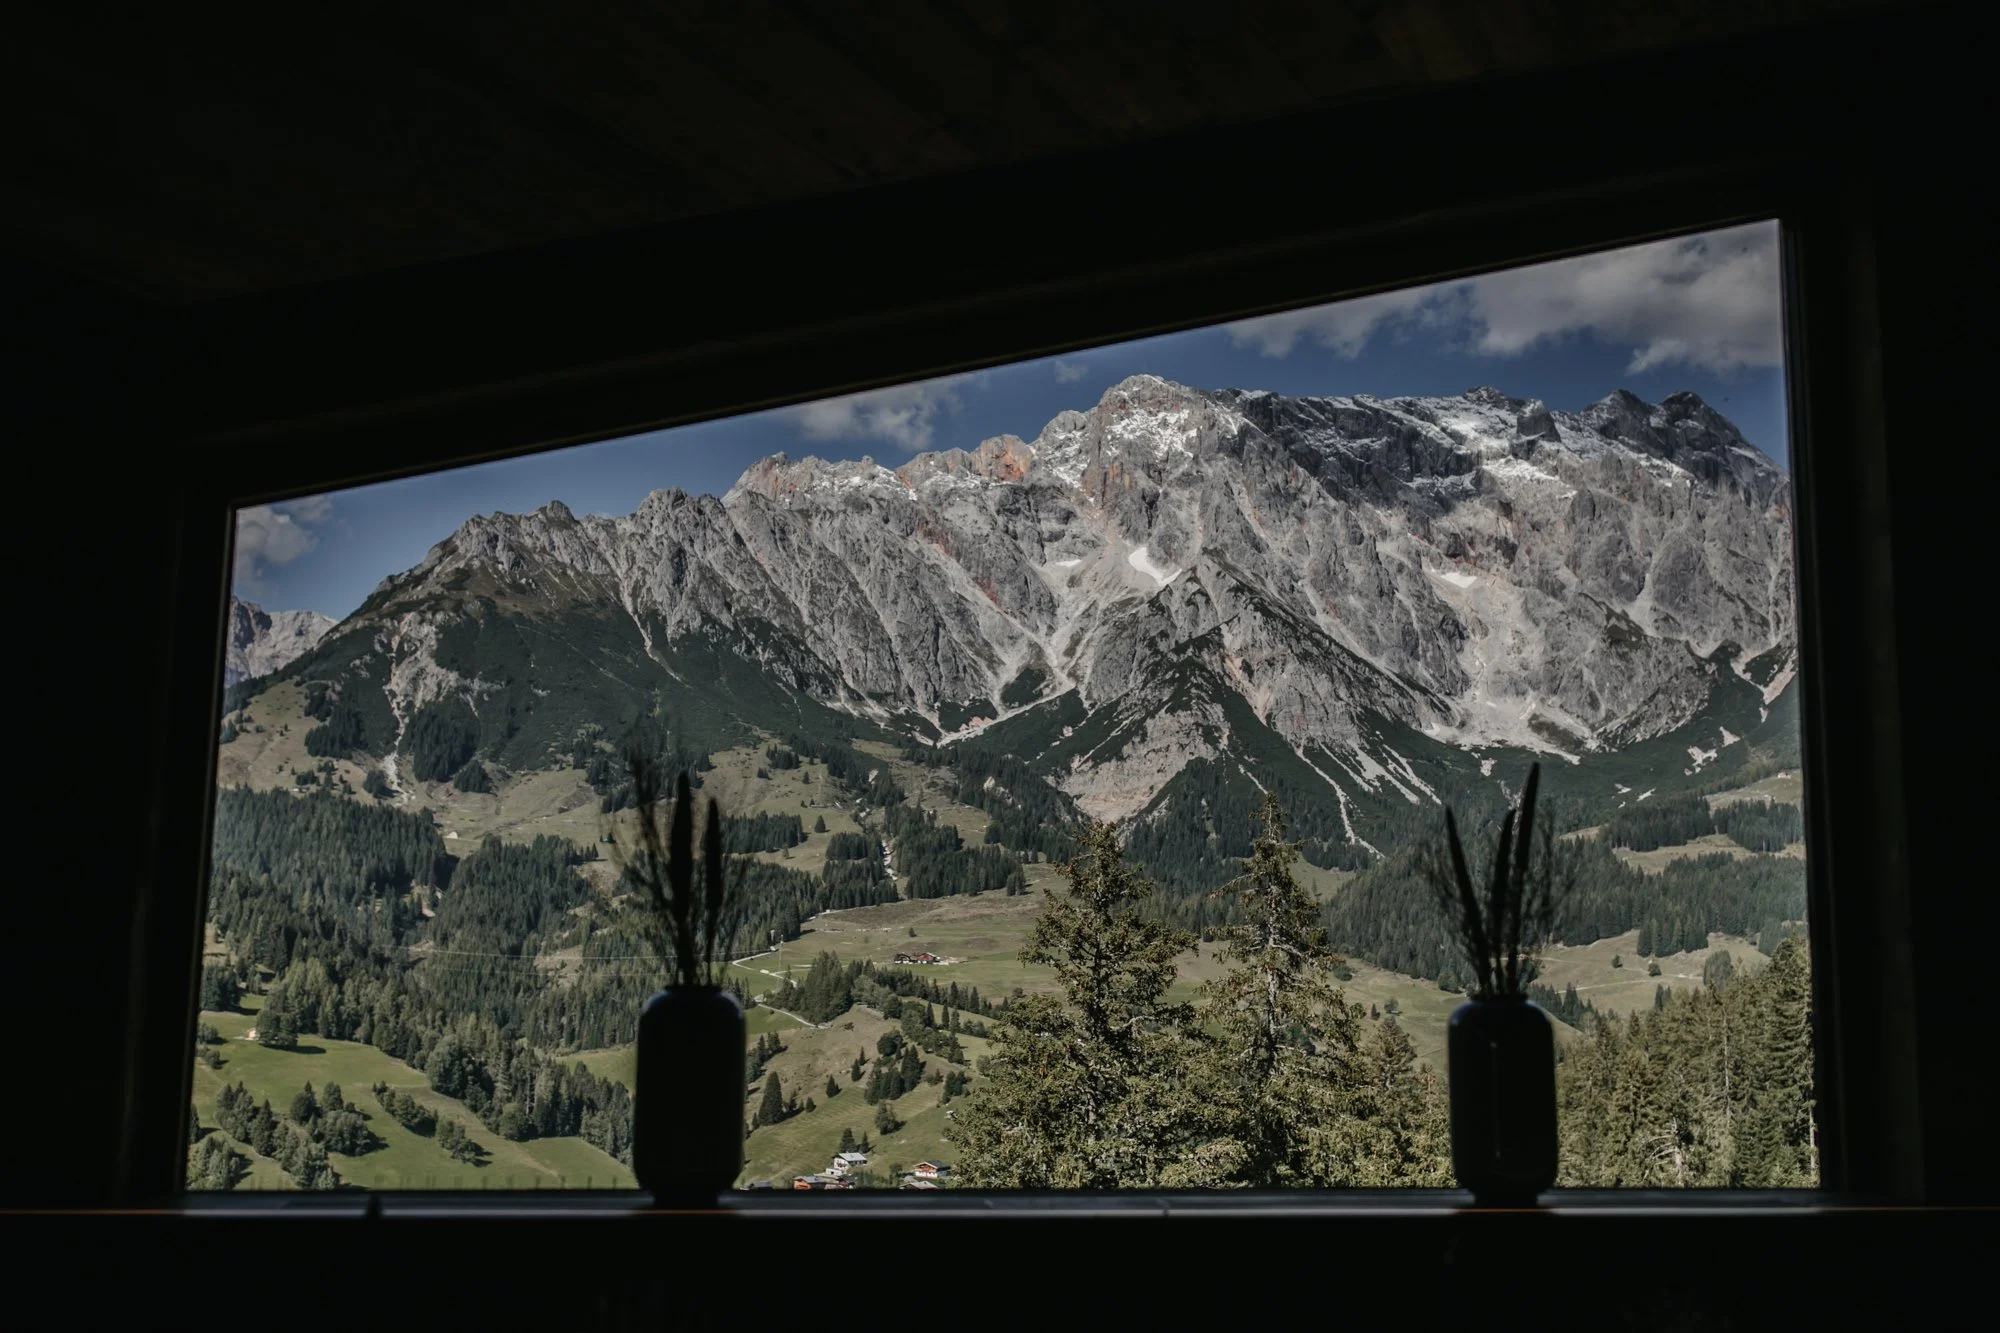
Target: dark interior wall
(98,518)
(1936,364)
(93,531)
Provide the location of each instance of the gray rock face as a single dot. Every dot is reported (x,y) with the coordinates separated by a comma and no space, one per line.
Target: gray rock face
(261,641)
(1478,567)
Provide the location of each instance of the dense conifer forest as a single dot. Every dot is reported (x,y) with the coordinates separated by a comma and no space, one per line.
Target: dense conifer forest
(488,968)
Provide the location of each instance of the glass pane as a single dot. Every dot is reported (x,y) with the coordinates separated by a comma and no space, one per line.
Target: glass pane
(994,675)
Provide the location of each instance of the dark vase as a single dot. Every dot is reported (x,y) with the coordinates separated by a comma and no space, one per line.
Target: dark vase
(687,1130)
(1503,1100)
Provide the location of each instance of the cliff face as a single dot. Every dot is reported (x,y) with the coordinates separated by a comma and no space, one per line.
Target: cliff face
(1173,565)
(261,641)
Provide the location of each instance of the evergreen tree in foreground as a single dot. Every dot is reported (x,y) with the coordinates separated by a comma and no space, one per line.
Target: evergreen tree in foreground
(1711,1087)
(1093,1089)
(1301,1103)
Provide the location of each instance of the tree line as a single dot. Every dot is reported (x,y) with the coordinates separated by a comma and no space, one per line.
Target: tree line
(1267,1081)
(1711,1087)
(1388,914)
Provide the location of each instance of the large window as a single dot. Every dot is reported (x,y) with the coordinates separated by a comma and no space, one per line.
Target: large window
(1284,588)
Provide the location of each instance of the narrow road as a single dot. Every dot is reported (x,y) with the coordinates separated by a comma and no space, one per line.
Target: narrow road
(744,962)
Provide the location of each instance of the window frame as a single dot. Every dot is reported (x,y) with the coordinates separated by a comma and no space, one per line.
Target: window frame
(302,433)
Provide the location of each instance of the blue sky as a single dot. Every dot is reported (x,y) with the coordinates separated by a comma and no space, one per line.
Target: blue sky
(1700,313)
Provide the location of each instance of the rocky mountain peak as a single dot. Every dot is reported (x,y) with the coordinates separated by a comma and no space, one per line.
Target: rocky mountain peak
(781,479)
(1002,458)
(1476,568)
(261,641)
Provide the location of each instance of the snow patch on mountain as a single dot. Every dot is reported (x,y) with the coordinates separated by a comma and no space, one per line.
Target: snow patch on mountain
(1142,560)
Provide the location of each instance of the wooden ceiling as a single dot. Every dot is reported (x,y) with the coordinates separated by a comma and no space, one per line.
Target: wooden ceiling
(183,158)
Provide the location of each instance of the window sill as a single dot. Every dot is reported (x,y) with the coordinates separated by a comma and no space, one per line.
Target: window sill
(968,1205)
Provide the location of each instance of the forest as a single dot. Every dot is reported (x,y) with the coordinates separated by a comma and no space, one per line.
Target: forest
(358,923)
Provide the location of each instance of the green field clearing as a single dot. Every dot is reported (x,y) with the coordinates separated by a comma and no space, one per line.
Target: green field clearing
(267,755)
(805,1143)
(1621,990)
(1708,844)
(1789,788)
(409,1160)
(982,935)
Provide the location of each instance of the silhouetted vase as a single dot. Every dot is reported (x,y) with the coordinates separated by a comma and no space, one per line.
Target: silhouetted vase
(687,1127)
(1503,1100)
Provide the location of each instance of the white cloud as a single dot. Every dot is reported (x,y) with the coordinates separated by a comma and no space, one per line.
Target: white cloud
(1344,327)
(1069,372)
(1708,301)
(268,535)
(905,415)
(308,509)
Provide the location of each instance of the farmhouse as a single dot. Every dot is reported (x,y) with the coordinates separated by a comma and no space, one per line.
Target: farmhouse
(912,1183)
(930,1170)
(918,959)
(852,1159)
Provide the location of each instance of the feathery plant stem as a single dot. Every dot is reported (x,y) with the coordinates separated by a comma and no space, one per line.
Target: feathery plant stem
(691,927)
(1501,931)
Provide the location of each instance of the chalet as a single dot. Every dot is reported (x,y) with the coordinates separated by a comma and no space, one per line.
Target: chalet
(918,959)
(852,1159)
(930,1170)
(912,1183)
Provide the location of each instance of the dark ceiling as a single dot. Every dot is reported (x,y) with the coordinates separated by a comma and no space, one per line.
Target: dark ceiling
(185,159)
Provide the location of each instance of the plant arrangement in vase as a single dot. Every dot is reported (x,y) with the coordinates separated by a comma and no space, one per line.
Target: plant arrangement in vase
(687,1133)
(1500,1046)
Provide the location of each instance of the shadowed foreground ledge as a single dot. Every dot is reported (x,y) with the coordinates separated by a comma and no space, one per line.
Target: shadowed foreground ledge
(1630,1260)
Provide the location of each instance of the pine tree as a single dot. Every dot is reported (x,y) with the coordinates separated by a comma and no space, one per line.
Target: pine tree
(772,1109)
(832,1087)
(304,1106)
(1298,1103)
(1089,1090)
(274,1025)
(846,1139)
(1402,1125)
(1779,1145)
(1710,1087)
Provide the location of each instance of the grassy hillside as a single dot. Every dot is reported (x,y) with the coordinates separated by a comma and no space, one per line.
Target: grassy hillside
(408,1160)
(1621,990)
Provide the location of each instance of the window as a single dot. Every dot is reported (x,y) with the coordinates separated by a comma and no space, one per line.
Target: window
(917,643)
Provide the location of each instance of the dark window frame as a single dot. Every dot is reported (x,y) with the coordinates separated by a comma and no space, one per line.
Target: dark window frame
(360,382)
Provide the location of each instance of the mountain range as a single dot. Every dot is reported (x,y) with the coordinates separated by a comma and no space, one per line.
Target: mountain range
(1362,603)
